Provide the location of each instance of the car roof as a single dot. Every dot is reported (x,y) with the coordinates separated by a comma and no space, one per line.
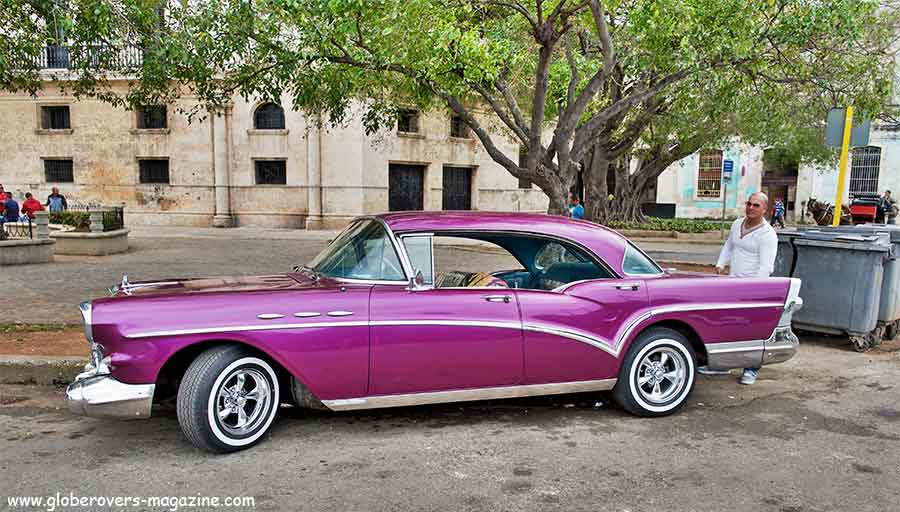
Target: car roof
(604,242)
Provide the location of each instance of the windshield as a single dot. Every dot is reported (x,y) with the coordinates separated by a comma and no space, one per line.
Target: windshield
(362,251)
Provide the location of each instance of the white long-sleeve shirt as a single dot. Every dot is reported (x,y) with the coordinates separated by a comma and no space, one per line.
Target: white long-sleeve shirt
(750,256)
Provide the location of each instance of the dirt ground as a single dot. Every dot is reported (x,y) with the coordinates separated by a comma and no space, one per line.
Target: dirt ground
(61,342)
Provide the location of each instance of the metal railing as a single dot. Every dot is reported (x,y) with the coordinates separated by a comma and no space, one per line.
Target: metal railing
(18,230)
(90,56)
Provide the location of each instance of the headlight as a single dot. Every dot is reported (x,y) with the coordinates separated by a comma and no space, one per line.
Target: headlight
(86,320)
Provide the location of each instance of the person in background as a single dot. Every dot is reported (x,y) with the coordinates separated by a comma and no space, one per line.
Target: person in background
(778,216)
(31,205)
(576,210)
(56,202)
(750,252)
(11,209)
(887,208)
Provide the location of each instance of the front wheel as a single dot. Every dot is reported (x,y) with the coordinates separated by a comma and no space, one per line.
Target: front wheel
(227,399)
(658,373)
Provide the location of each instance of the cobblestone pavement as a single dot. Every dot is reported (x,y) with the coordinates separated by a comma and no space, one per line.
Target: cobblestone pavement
(50,293)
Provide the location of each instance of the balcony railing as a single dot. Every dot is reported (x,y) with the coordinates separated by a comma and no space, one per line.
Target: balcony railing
(92,56)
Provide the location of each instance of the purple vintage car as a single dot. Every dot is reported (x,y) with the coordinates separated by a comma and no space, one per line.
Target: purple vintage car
(376,320)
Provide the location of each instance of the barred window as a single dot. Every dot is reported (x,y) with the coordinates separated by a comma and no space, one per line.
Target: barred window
(271,172)
(459,128)
(58,171)
(55,118)
(152,117)
(154,170)
(864,170)
(709,175)
(269,116)
(408,121)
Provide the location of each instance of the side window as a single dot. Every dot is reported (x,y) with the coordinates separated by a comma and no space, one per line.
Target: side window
(556,265)
(553,253)
(419,249)
(636,264)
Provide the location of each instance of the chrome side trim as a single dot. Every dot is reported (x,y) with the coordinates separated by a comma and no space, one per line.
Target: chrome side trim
(454,323)
(466,395)
(269,316)
(242,328)
(340,313)
(626,333)
(573,335)
(307,314)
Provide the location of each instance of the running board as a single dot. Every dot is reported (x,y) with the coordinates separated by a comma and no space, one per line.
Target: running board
(467,395)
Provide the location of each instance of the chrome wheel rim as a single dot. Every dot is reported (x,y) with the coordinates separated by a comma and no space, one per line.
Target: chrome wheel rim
(662,375)
(242,401)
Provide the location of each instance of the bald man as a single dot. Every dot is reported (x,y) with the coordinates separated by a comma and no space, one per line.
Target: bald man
(750,251)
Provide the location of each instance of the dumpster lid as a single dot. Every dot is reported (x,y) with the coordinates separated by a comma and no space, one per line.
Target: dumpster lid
(838,240)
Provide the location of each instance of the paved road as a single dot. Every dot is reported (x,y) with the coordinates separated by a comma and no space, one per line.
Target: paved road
(819,433)
(50,293)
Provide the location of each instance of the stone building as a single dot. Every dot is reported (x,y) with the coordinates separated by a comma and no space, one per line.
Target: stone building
(253,164)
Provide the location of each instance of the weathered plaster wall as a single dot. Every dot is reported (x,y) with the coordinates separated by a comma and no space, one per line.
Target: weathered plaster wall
(678,183)
(351,177)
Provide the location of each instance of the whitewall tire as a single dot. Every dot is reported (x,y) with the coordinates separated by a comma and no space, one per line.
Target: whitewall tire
(658,373)
(228,399)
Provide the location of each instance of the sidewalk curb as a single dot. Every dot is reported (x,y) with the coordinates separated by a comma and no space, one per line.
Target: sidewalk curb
(41,371)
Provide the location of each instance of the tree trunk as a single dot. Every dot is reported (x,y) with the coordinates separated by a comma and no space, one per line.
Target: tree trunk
(596,191)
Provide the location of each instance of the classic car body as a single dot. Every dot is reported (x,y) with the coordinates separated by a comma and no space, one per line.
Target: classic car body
(372,323)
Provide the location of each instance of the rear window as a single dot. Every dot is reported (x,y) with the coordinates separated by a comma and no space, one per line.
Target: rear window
(637,263)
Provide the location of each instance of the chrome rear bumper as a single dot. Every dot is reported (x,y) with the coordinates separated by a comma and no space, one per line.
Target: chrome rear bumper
(781,346)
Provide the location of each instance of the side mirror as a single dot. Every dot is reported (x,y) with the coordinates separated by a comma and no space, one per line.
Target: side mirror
(417,282)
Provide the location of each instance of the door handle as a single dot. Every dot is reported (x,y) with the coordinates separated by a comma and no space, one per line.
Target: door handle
(629,286)
(497,298)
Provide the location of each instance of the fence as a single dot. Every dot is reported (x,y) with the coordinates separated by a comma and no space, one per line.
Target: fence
(19,230)
(92,56)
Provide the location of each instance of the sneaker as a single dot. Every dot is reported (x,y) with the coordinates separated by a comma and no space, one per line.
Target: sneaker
(749,376)
(706,370)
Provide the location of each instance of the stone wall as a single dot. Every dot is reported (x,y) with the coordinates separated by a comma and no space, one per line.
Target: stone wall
(333,174)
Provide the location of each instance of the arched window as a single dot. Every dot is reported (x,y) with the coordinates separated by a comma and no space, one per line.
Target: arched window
(269,116)
(864,170)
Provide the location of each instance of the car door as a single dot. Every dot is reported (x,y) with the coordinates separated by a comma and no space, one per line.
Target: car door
(574,317)
(440,339)
(443,339)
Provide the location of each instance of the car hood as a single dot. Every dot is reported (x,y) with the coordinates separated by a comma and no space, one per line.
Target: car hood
(290,281)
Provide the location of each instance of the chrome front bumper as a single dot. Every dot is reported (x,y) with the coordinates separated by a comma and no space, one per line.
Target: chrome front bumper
(781,346)
(98,394)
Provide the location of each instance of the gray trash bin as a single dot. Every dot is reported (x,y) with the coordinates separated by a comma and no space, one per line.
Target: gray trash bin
(785,258)
(842,276)
(889,306)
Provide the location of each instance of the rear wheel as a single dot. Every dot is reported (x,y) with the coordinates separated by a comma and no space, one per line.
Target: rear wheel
(227,399)
(658,373)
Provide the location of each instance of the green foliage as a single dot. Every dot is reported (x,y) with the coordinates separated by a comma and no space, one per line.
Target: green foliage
(678,225)
(81,221)
(686,74)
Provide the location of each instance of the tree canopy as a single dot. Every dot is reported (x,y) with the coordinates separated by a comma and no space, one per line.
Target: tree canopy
(581,85)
